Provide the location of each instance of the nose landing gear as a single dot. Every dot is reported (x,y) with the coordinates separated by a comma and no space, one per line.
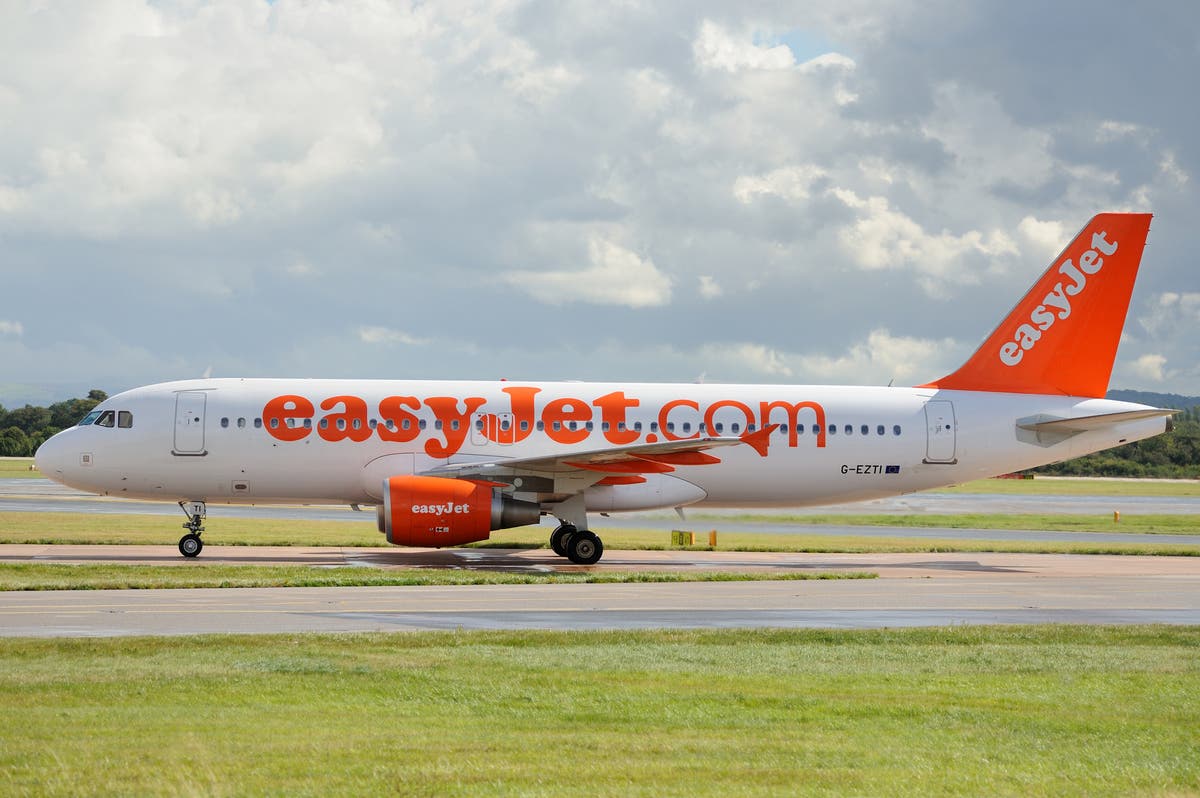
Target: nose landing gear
(190,544)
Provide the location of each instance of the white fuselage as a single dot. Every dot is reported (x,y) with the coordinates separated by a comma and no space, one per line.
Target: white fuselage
(223,441)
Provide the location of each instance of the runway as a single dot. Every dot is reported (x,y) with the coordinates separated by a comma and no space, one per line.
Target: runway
(913,590)
(41,495)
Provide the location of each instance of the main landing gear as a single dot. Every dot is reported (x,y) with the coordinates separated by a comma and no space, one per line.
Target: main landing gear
(578,545)
(190,544)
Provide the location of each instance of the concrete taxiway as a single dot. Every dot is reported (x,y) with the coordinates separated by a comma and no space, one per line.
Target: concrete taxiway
(914,590)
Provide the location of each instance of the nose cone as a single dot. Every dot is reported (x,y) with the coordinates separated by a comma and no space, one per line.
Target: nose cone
(51,458)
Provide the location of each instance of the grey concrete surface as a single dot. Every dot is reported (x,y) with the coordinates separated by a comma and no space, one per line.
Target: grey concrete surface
(915,590)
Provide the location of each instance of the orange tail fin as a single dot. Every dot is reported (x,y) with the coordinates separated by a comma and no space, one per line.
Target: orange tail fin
(1062,337)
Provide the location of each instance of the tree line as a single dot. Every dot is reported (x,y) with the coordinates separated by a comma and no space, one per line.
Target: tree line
(1175,455)
(24,429)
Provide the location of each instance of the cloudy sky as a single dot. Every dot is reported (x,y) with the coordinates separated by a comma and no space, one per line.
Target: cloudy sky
(836,192)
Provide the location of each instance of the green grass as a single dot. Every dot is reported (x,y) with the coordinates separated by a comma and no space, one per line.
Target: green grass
(18,467)
(967,711)
(1043,486)
(51,528)
(52,576)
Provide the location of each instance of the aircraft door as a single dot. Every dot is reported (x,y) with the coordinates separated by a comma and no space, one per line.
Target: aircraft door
(189,423)
(941,431)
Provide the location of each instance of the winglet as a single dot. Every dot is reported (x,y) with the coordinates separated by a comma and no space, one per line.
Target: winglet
(1062,337)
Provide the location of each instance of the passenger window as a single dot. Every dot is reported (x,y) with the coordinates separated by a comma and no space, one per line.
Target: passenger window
(241,423)
(833,429)
(437,424)
(454,425)
(357,424)
(687,426)
(816,429)
(637,426)
(275,423)
(605,426)
(670,426)
(107,419)
(405,424)
(374,423)
(258,423)
(750,428)
(879,430)
(557,426)
(541,426)
(734,427)
(341,423)
(783,428)
(896,430)
(524,426)
(849,429)
(308,423)
(324,423)
(224,423)
(864,429)
(572,425)
(124,419)
(720,427)
(421,424)
(479,424)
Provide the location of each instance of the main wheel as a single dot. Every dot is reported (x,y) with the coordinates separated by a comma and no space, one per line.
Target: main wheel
(584,548)
(190,545)
(558,539)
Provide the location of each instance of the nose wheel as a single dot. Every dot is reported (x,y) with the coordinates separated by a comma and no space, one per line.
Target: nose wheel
(190,545)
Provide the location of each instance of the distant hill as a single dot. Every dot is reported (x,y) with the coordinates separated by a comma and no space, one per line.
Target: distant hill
(1172,400)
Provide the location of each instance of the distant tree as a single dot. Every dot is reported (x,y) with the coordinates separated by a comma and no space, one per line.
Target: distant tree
(29,418)
(97,396)
(14,443)
(67,414)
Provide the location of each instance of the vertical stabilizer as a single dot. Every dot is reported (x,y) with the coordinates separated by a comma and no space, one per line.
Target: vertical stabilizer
(1062,337)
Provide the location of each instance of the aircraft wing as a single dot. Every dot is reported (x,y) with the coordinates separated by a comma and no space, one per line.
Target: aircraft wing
(642,458)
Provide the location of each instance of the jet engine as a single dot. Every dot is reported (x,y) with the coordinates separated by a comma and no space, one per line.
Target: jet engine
(436,512)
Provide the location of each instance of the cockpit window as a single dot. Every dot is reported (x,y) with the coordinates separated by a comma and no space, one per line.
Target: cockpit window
(124,419)
(107,419)
(90,418)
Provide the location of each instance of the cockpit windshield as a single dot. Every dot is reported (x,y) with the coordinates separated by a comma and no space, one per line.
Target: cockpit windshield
(90,418)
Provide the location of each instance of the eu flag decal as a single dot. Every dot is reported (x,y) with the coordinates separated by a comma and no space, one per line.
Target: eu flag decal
(892,470)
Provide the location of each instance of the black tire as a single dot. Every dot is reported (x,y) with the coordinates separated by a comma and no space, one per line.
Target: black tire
(584,548)
(190,545)
(558,539)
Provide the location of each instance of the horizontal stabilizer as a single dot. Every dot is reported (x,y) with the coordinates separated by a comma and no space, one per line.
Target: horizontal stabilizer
(1048,431)
(1087,423)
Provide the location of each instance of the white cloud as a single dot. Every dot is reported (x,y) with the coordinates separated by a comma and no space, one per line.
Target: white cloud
(386,335)
(616,276)
(1149,366)
(884,238)
(710,288)
(1045,238)
(755,358)
(789,182)
(883,357)
(11,328)
(715,48)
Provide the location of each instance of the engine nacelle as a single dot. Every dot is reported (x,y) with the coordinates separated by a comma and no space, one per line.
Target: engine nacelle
(436,512)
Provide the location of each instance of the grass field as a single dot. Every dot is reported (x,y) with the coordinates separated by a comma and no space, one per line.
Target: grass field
(47,528)
(18,467)
(967,711)
(51,576)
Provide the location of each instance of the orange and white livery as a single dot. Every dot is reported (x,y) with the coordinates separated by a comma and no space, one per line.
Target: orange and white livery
(448,463)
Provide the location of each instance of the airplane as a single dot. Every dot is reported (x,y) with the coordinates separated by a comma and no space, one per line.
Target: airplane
(446,463)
